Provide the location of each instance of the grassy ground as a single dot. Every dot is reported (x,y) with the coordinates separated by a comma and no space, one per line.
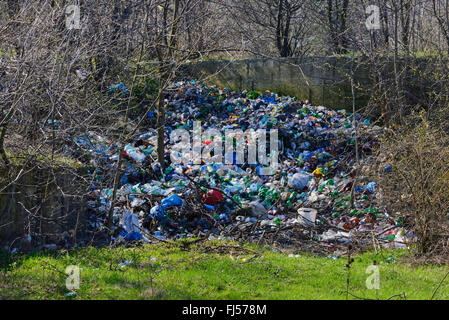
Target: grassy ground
(212,270)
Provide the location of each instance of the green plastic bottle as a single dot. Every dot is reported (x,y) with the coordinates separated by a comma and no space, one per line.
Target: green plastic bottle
(335,215)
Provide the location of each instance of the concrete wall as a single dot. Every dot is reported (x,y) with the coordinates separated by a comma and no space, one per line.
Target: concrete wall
(322,80)
(57,213)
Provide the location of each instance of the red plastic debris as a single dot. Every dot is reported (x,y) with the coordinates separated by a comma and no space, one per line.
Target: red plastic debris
(212,197)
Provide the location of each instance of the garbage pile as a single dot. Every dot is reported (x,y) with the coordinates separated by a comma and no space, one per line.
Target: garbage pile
(314,195)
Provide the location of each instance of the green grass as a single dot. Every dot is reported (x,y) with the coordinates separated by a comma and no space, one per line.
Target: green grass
(167,272)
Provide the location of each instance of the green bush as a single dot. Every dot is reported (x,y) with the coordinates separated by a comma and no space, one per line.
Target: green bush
(253,95)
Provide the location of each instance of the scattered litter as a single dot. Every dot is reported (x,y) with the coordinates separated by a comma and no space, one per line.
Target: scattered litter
(311,187)
(125,263)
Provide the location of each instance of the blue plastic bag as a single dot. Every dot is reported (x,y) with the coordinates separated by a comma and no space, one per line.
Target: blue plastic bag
(371,187)
(173,200)
(157,213)
(132,236)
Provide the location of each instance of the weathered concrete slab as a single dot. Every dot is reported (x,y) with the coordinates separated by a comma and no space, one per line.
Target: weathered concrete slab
(322,80)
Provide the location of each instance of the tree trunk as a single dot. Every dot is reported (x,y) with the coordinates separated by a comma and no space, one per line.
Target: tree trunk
(161,124)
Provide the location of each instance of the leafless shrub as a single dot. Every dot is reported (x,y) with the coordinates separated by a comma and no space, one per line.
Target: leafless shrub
(417,184)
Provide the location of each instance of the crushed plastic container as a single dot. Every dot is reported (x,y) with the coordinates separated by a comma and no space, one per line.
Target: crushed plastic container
(299,181)
(308,216)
